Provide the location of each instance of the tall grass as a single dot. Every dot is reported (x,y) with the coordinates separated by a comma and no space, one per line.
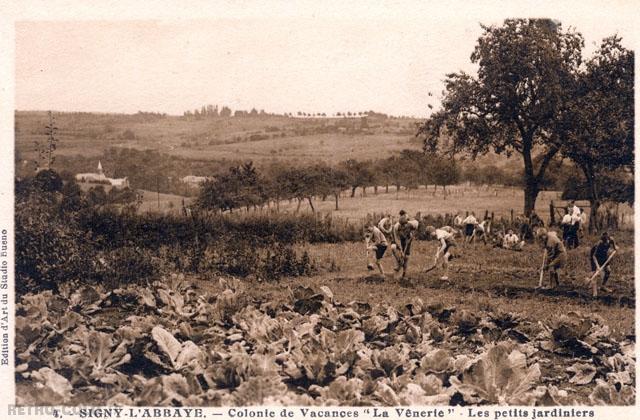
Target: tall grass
(110,229)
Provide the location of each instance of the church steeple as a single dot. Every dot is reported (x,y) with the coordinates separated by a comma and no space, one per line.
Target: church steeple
(100,171)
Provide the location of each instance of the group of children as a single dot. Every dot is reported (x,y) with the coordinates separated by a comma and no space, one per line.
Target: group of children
(555,259)
(399,236)
(472,230)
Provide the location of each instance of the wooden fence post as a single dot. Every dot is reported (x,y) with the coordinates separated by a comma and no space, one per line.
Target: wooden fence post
(552,214)
(512,217)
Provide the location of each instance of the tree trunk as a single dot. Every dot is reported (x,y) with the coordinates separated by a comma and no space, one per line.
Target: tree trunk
(336,195)
(311,204)
(530,196)
(530,181)
(298,207)
(353,191)
(387,188)
(375,189)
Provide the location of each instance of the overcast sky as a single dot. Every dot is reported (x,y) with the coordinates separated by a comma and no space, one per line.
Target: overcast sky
(280,65)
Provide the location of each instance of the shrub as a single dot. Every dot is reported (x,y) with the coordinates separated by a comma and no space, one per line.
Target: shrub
(47,181)
(126,265)
(49,249)
(283,261)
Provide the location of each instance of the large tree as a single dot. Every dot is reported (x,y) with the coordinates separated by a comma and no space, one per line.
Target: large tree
(525,67)
(601,119)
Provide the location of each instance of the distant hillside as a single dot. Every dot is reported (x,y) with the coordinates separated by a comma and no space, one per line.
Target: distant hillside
(258,138)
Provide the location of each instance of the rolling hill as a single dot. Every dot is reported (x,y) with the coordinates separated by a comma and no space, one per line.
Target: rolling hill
(259,138)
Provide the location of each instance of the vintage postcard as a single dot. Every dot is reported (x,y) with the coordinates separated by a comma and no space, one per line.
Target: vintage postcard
(318,210)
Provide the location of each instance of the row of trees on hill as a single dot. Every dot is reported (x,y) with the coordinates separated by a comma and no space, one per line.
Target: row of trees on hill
(209,111)
(246,186)
(212,111)
(536,95)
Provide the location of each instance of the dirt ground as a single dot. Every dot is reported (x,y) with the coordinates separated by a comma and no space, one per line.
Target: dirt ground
(483,278)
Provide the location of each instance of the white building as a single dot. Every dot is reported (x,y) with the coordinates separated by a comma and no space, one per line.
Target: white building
(101,178)
(194,180)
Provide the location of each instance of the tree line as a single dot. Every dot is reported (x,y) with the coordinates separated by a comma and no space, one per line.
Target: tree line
(213,111)
(246,186)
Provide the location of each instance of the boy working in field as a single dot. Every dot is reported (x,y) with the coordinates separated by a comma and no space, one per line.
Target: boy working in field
(403,232)
(386,224)
(444,236)
(378,244)
(555,257)
(599,255)
(482,230)
(469,223)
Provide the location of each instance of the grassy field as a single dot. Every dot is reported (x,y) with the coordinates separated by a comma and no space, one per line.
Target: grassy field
(251,138)
(459,198)
(166,203)
(331,148)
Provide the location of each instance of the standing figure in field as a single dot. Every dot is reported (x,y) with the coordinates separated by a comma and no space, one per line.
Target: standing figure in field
(573,208)
(469,223)
(555,257)
(598,257)
(583,221)
(378,244)
(574,228)
(403,233)
(445,237)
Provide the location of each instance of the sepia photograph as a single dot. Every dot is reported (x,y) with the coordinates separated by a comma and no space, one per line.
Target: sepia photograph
(328,210)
